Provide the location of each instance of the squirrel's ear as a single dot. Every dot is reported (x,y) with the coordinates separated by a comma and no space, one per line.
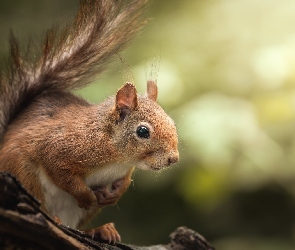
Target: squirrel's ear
(152,90)
(126,99)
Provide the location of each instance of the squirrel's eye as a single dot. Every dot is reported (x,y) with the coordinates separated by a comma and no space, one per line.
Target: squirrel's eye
(143,132)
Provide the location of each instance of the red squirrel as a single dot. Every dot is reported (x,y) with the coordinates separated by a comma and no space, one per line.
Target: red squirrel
(77,157)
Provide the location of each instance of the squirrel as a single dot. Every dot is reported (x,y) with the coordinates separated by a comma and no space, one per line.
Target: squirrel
(73,156)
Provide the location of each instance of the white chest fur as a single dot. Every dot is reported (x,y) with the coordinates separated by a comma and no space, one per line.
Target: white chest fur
(108,174)
(64,205)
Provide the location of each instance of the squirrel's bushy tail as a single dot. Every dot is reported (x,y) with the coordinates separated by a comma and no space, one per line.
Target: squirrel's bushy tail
(70,57)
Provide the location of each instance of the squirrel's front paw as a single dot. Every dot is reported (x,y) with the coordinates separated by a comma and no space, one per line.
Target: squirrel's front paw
(109,195)
(87,200)
(104,196)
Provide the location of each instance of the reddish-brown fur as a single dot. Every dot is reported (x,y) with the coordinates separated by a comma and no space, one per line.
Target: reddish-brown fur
(71,155)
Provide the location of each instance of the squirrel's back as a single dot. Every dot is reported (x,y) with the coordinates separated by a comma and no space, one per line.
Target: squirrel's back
(75,157)
(70,57)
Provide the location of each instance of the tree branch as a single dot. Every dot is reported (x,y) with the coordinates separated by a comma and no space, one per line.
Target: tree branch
(23,225)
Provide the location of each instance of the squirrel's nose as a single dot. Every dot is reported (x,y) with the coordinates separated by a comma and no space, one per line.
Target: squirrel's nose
(173,159)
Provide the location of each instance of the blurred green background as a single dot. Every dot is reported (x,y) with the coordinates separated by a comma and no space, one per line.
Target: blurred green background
(226,75)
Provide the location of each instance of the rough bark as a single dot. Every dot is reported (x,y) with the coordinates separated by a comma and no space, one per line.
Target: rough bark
(24,226)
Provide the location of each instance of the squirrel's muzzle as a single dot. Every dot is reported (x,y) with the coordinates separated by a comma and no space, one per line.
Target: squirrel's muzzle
(173,159)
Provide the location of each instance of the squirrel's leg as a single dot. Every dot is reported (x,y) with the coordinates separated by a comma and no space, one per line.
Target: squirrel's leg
(82,193)
(106,232)
(73,184)
(110,195)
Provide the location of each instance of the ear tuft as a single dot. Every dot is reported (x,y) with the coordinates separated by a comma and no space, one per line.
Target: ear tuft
(152,90)
(126,99)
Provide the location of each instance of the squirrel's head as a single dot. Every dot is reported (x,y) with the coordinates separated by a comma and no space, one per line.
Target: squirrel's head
(143,131)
